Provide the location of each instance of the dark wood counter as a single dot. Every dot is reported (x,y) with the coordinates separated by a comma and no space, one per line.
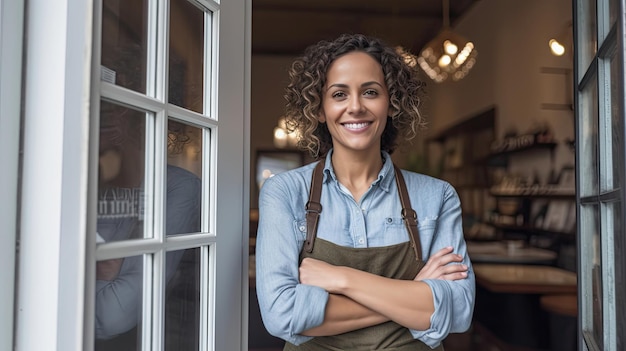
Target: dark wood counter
(525,279)
(498,252)
(508,302)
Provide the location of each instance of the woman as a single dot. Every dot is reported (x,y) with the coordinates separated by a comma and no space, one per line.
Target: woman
(355,278)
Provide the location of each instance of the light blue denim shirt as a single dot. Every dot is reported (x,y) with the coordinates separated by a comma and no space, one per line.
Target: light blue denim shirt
(288,307)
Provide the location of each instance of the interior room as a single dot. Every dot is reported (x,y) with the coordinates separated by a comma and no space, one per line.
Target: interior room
(502,133)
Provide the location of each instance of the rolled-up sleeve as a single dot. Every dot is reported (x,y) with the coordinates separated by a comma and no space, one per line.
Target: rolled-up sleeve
(287,307)
(453,300)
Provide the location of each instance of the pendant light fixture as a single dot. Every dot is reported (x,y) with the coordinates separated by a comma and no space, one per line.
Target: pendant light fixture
(562,43)
(448,55)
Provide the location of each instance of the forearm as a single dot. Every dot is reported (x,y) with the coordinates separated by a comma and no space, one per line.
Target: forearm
(406,302)
(116,309)
(454,304)
(343,315)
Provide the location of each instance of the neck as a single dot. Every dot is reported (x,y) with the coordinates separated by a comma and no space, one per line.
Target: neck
(357,171)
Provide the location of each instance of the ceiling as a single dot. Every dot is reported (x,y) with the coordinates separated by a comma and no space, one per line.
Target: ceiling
(287,27)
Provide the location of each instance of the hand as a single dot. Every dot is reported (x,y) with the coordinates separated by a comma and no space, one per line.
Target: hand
(109,269)
(319,273)
(443,265)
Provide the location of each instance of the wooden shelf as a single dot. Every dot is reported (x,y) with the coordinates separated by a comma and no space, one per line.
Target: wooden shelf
(530,230)
(536,146)
(536,194)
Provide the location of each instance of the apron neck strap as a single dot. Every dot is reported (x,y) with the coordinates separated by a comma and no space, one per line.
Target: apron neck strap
(314,208)
(408,214)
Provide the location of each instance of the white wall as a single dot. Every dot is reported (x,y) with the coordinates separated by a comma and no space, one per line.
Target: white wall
(268,81)
(511,37)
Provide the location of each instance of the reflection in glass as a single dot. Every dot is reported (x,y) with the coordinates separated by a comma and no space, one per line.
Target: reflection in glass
(613,6)
(588,137)
(121,173)
(616,126)
(587,34)
(184,187)
(186,56)
(591,263)
(118,304)
(182,303)
(184,146)
(124,55)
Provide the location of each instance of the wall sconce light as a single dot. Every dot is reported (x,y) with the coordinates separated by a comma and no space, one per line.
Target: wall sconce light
(562,43)
(283,138)
(448,55)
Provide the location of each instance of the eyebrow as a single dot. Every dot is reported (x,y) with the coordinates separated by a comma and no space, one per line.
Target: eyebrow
(366,84)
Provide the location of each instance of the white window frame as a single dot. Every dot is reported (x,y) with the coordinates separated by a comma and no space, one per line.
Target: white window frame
(53,202)
(56,271)
(11,37)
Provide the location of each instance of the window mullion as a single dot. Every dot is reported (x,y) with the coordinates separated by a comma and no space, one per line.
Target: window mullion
(147,337)
(156,171)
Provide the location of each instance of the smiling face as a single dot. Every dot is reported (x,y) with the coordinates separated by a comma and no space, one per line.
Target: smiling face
(355,103)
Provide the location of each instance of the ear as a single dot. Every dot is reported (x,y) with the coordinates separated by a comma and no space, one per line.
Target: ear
(321,117)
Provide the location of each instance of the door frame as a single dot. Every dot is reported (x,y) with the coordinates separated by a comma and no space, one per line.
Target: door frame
(55,252)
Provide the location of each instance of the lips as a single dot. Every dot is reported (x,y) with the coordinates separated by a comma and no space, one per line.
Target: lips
(356,126)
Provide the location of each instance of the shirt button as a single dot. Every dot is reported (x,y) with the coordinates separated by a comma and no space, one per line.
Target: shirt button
(389,220)
(302,228)
(360,241)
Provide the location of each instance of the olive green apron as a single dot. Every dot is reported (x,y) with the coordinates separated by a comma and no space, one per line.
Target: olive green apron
(401,261)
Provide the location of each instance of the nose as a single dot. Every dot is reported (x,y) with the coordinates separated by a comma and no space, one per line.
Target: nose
(355,105)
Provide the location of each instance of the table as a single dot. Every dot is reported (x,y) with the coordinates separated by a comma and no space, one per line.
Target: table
(498,252)
(508,302)
(525,279)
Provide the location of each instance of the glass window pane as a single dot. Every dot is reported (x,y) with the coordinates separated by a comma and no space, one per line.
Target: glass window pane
(617,125)
(182,301)
(184,187)
(119,285)
(588,139)
(124,54)
(186,56)
(587,34)
(591,264)
(121,173)
(613,232)
(613,6)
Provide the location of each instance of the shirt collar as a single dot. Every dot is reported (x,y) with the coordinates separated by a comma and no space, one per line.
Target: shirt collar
(385,176)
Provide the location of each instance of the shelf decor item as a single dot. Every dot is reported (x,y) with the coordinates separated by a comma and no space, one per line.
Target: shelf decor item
(567,178)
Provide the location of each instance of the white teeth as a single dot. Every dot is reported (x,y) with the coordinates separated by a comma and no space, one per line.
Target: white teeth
(356,125)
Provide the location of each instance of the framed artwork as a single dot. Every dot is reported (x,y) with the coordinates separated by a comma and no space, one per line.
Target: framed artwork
(272,162)
(567,178)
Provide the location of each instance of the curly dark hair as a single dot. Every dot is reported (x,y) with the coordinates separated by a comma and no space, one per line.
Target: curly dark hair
(308,79)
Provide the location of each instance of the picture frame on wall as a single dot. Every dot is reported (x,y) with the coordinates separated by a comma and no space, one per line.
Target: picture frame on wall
(567,179)
(557,215)
(271,162)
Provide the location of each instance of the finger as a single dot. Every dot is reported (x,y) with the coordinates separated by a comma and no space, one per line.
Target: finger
(454,276)
(434,263)
(453,268)
(446,250)
(449,258)
(439,272)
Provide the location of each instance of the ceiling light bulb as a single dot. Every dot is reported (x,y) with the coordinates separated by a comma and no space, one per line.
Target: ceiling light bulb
(557,48)
(444,60)
(449,47)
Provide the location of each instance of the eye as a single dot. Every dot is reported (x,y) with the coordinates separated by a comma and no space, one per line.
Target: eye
(338,95)
(370,92)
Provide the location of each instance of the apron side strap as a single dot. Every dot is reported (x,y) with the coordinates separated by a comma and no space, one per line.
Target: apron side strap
(313,206)
(408,214)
